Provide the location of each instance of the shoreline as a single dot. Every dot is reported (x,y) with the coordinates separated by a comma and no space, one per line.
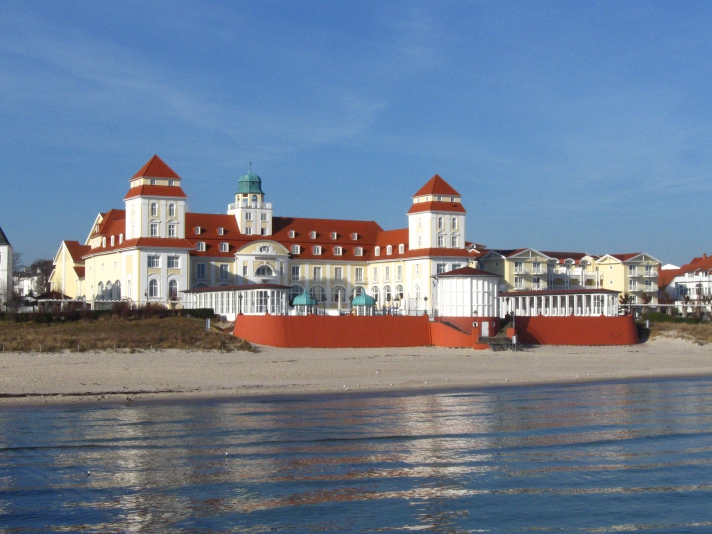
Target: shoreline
(47,379)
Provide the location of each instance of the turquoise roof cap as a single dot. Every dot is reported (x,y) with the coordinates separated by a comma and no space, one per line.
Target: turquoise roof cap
(303,300)
(249,183)
(363,300)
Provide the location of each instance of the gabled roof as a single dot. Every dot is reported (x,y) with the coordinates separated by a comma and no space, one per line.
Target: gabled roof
(392,237)
(3,238)
(437,186)
(166,191)
(76,250)
(449,207)
(113,223)
(464,272)
(156,168)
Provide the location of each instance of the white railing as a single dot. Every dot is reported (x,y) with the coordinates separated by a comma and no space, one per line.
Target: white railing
(520,270)
(246,204)
(653,273)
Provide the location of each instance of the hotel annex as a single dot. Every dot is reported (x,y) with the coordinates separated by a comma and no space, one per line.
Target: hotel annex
(154,250)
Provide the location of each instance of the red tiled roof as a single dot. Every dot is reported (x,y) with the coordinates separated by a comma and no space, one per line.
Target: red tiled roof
(76,250)
(626,257)
(702,263)
(79,271)
(113,223)
(393,237)
(465,271)
(166,191)
(156,168)
(450,207)
(437,186)
(147,242)
(557,292)
(666,276)
(209,224)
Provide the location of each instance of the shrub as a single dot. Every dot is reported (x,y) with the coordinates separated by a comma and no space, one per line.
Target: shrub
(657,317)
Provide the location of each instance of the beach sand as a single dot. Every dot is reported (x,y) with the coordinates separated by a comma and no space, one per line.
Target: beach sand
(31,378)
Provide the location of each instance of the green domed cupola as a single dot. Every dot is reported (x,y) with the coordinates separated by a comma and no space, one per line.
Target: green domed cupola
(249,184)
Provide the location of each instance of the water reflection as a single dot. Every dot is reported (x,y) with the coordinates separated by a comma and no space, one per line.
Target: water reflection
(601,458)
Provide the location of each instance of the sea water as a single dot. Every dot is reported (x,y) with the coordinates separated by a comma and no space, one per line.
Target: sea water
(607,457)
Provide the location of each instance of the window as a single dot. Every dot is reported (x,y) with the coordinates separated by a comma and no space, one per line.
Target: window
(399,273)
(632,285)
(171,183)
(112,240)
(152,181)
(536,283)
(312,234)
(318,293)
(244,270)
(224,247)
(263,217)
(375,274)
(317,274)
(420,241)
(453,223)
(200,246)
(374,293)
(334,235)
(337,294)
(387,293)
(153,288)
(294,292)
(377,251)
(441,223)
(440,199)
(420,223)
(173,289)
(386,273)
(453,241)
(316,249)
(358,273)
(263,231)
(224,271)
(173,262)
(441,241)
(441,268)
(103,242)
(248,216)
(171,230)
(221,231)
(401,249)
(417,292)
(338,273)
(632,270)
(154,209)
(416,268)
(519,267)
(389,250)
(171,210)
(295,272)
(201,271)
(456,266)
(292,233)
(338,251)
(154,262)
(295,249)
(537,268)
(399,292)
(354,236)
(154,230)
(518,282)
(264,270)
(121,238)
(248,230)
(197,230)
(358,251)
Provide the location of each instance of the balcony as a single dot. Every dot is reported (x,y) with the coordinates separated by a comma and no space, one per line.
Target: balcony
(520,270)
(653,273)
(339,280)
(254,205)
(297,278)
(538,270)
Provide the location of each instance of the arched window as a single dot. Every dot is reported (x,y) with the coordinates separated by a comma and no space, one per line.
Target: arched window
(318,293)
(171,210)
(264,270)
(128,289)
(108,293)
(100,291)
(374,293)
(389,250)
(338,294)
(399,292)
(153,288)
(441,223)
(173,289)
(377,251)
(453,223)
(154,209)
(117,291)
(294,292)
(417,292)
(386,293)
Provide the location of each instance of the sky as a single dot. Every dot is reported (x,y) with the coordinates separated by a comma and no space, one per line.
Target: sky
(565,125)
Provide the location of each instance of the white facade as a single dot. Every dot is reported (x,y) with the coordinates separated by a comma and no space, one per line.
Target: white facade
(5,270)
(466,296)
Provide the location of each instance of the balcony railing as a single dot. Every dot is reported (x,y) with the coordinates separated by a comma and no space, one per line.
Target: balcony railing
(339,279)
(246,204)
(297,278)
(520,270)
(651,274)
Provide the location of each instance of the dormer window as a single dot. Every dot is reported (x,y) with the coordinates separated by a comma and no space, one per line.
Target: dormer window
(389,250)
(440,199)
(316,249)
(312,234)
(197,230)
(358,251)
(121,238)
(401,249)
(354,236)
(338,251)
(334,235)
(152,181)
(200,246)
(377,251)
(112,240)
(103,242)
(221,231)
(224,247)
(295,249)
(292,234)
(171,182)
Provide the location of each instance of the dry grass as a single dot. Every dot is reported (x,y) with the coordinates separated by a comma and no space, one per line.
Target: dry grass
(700,333)
(111,332)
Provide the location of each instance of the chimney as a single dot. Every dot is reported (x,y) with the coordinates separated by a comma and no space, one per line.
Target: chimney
(704,256)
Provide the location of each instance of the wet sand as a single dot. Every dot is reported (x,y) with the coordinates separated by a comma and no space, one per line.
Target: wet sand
(30,378)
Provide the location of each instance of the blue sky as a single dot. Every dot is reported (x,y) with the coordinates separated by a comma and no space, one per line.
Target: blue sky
(581,126)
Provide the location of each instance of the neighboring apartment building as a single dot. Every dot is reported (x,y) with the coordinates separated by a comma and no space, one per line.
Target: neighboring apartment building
(153,249)
(532,270)
(5,270)
(691,283)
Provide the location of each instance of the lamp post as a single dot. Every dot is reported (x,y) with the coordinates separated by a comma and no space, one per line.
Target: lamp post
(425,299)
(239,298)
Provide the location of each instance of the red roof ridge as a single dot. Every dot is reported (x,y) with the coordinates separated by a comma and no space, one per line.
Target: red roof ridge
(156,168)
(436,186)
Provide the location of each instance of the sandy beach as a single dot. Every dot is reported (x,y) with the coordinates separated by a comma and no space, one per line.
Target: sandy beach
(30,378)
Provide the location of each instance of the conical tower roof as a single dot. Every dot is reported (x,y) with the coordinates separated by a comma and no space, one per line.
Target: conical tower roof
(156,168)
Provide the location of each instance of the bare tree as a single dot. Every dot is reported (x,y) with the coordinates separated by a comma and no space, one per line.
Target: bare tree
(42,269)
(16,263)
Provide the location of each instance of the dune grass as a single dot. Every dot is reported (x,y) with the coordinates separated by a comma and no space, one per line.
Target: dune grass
(700,333)
(114,333)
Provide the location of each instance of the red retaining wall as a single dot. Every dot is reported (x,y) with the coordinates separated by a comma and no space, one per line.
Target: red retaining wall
(540,330)
(326,331)
(442,335)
